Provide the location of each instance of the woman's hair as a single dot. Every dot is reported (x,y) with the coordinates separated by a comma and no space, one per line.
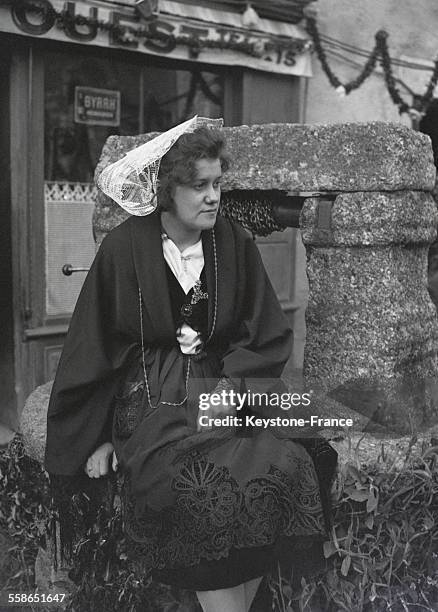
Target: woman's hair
(177,166)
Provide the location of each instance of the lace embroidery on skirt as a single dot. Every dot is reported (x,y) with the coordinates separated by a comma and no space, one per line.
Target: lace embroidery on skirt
(213,513)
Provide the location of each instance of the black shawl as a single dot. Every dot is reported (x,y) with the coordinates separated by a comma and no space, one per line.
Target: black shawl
(250,330)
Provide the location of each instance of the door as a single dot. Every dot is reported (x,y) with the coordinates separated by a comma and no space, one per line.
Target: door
(8,412)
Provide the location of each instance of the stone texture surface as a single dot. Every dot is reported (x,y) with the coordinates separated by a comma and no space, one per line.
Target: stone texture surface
(292,157)
(372,329)
(33,421)
(337,157)
(373,156)
(374,219)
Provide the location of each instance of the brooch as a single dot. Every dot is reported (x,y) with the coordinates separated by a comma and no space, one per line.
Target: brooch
(197,296)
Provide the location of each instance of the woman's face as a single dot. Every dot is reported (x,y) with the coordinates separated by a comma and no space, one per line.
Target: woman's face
(195,205)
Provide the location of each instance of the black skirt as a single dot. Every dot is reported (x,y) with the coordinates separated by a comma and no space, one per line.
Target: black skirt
(212,509)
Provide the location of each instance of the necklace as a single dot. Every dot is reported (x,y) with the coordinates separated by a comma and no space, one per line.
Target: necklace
(213,325)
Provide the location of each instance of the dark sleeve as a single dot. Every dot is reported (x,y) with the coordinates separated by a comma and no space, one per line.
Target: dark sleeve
(263,341)
(95,353)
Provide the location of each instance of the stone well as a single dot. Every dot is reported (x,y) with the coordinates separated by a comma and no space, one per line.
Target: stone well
(372,330)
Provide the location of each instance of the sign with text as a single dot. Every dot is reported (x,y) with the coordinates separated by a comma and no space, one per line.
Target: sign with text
(97,106)
(111,25)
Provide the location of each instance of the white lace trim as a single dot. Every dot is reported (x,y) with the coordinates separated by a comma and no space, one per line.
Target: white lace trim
(65,191)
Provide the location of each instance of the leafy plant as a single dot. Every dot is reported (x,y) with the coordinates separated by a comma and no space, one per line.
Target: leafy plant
(105,579)
(382,556)
(23,515)
(383,553)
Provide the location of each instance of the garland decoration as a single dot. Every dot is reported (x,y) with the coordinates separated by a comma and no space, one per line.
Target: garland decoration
(381,39)
(379,53)
(253,210)
(67,21)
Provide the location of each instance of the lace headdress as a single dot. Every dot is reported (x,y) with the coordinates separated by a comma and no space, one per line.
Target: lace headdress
(132,180)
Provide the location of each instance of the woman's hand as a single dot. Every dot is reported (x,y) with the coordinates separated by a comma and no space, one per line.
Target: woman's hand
(215,410)
(98,463)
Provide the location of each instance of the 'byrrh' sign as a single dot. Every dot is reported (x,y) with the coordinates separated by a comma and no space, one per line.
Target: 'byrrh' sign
(97,106)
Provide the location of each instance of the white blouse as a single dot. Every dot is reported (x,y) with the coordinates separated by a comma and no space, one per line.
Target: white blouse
(187,267)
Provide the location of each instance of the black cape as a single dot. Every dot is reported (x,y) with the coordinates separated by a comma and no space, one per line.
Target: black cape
(250,331)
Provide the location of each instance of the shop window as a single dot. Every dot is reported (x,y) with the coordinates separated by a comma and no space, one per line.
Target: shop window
(151,99)
(124,98)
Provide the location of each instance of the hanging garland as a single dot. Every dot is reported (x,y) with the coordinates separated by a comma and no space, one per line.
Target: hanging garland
(380,52)
(253,210)
(66,21)
(389,77)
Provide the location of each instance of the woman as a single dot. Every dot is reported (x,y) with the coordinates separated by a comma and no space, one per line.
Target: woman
(177,305)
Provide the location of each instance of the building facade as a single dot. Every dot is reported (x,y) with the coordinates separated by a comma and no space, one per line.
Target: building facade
(75,72)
